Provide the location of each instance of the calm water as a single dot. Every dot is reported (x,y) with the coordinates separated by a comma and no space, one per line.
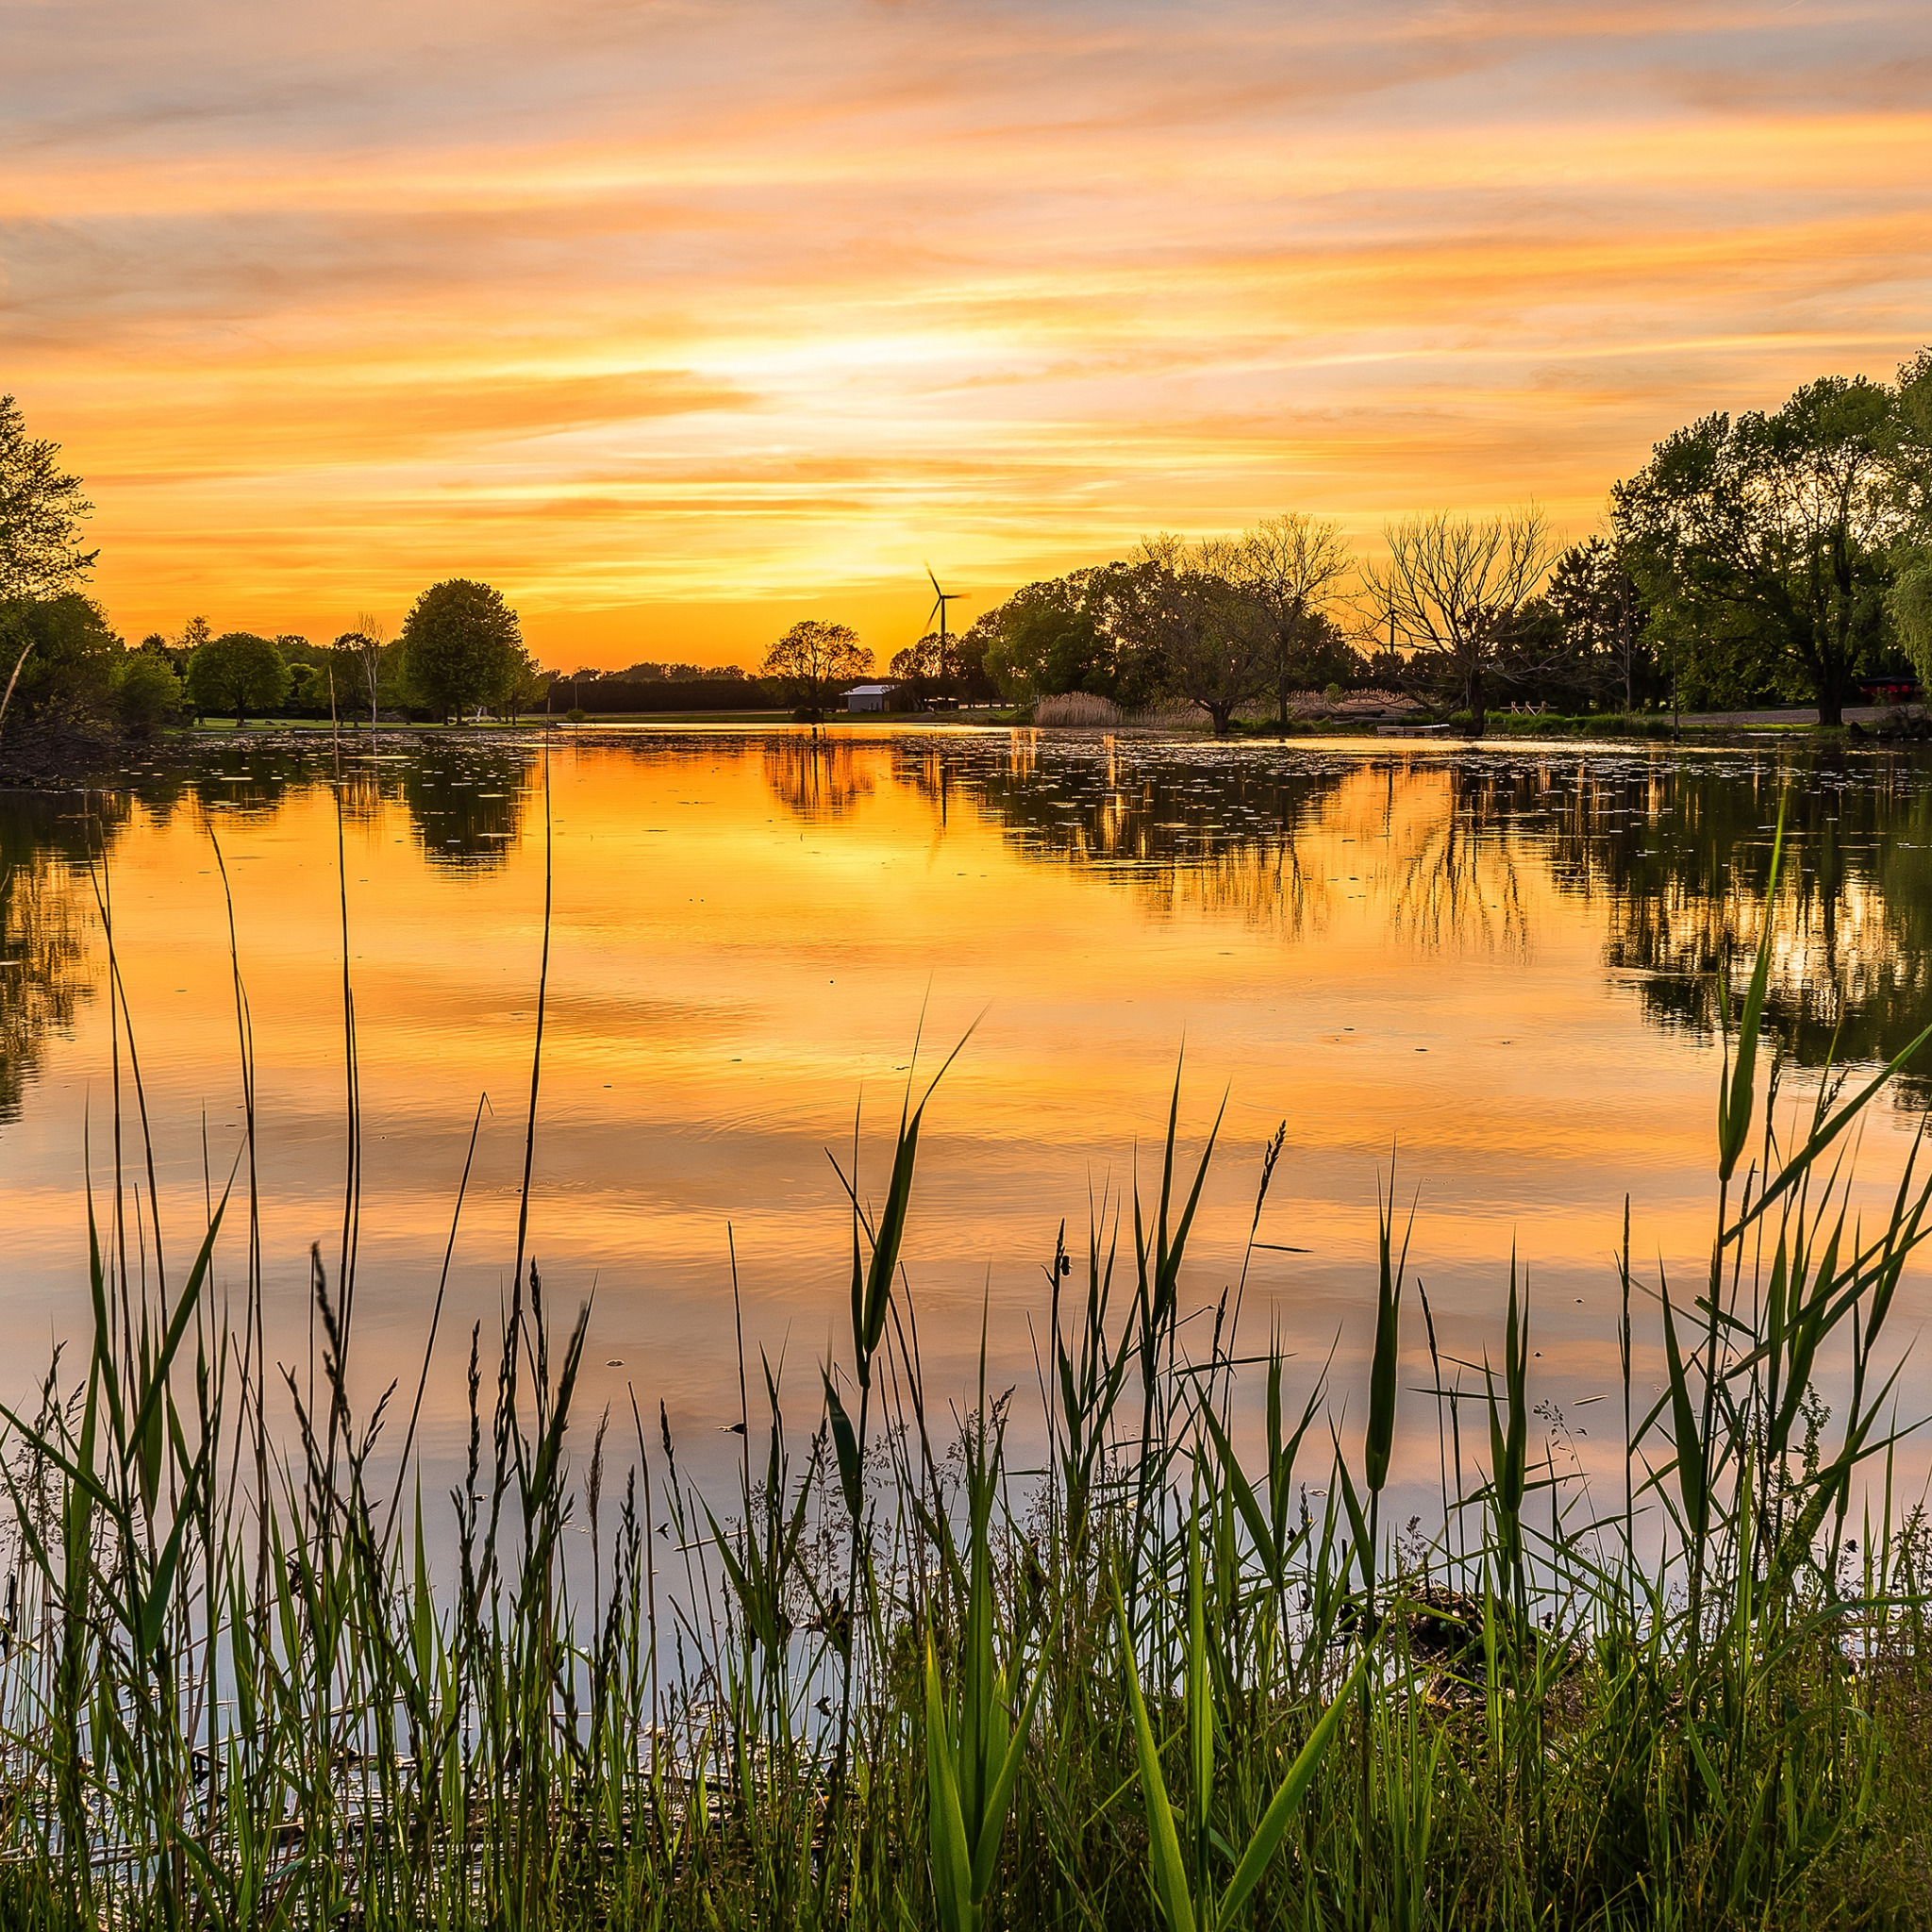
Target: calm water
(1495,964)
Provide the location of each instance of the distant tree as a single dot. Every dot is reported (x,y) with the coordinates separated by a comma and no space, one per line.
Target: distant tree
(1292,565)
(1045,639)
(523,688)
(374,655)
(922,666)
(1777,531)
(1453,593)
(1601,613)
(812,659)
(349,668)
(972,681)
(652,672)
(146,690)
(194,633)
(41,513)
(238,672)
(1216,641)
(462,647)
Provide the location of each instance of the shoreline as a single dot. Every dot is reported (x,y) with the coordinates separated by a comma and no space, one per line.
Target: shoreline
(69,760)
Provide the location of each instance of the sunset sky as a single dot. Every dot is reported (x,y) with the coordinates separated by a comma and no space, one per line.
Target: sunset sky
(679,320)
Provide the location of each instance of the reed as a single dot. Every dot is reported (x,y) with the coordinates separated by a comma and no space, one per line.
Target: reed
(1077,708)
(1171,1675)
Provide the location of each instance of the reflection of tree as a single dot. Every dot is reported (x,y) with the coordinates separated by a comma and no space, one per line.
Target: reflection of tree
(1454,876)
(1217,833)
(1678,854)
(466,803)
(819,776)
(45,903)
(1687,860)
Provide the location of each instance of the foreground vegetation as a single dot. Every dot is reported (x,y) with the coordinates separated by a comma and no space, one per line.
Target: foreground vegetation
(1172,1664)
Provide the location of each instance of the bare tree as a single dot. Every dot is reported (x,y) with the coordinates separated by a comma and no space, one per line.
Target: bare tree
(1213,637)
(372,636)
(1291,565)
(1453,593)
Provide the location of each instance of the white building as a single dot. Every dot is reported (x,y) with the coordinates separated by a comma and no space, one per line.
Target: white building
(869,697)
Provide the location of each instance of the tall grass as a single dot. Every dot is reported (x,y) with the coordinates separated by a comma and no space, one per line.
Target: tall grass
(1169,1675)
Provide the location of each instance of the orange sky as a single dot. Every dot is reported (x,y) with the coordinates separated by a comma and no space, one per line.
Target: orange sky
(678,321)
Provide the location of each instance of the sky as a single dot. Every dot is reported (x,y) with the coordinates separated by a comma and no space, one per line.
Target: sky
(678,321)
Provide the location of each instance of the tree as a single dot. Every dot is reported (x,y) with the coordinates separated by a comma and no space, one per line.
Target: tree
(369,643)
(1909,602)
(146,690)
(1213,639)
(1597,604)
(1045,639)
(1292,565)
(812,659)
(41,513)
(1453,593)
(922,666)
(462,647)
(61,658)
(238,672)
(1775,529)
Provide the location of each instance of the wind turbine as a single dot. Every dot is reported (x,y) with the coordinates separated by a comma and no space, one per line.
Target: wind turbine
(939,600)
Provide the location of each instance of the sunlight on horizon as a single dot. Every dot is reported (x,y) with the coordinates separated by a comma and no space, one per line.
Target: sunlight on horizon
(678,324)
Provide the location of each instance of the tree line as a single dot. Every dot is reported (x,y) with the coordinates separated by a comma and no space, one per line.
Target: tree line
(1774,557)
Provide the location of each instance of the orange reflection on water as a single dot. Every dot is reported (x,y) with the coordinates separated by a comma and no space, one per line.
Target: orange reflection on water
(750,931)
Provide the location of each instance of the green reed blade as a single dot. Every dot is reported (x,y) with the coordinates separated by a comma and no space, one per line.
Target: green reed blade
(1735,1103)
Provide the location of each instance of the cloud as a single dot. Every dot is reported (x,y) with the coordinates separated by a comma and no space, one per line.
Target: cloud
(695,303)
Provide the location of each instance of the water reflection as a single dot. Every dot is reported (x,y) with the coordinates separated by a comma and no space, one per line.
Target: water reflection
(1473,853)
(467,810)
(820,776)
(45,903)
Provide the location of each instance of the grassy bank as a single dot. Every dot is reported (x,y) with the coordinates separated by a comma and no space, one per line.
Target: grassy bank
(1174,1664)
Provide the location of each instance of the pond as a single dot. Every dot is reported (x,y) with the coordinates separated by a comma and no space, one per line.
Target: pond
(1493,969)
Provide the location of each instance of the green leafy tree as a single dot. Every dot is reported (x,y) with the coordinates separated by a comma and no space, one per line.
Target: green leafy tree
(238,672)
(1909,602)
(61,658)
(462,648)
(1771,538)
(1600,613)
(1216,642)
(41,513)
(924,666)
(1045,639)
(147,692)
(812,659)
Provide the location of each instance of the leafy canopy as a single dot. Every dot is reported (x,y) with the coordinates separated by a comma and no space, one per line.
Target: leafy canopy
(41,513)
(238,672)
(462,648)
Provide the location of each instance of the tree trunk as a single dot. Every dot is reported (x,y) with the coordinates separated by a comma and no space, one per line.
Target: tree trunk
(1473,691)
(1221,714)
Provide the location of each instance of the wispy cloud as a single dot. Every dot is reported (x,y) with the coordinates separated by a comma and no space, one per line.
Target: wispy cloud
(662,314)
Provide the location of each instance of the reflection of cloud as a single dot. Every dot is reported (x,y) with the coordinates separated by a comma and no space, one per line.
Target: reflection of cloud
(619,305)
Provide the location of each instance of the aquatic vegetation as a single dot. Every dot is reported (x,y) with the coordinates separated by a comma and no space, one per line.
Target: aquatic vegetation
(1168,1670)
